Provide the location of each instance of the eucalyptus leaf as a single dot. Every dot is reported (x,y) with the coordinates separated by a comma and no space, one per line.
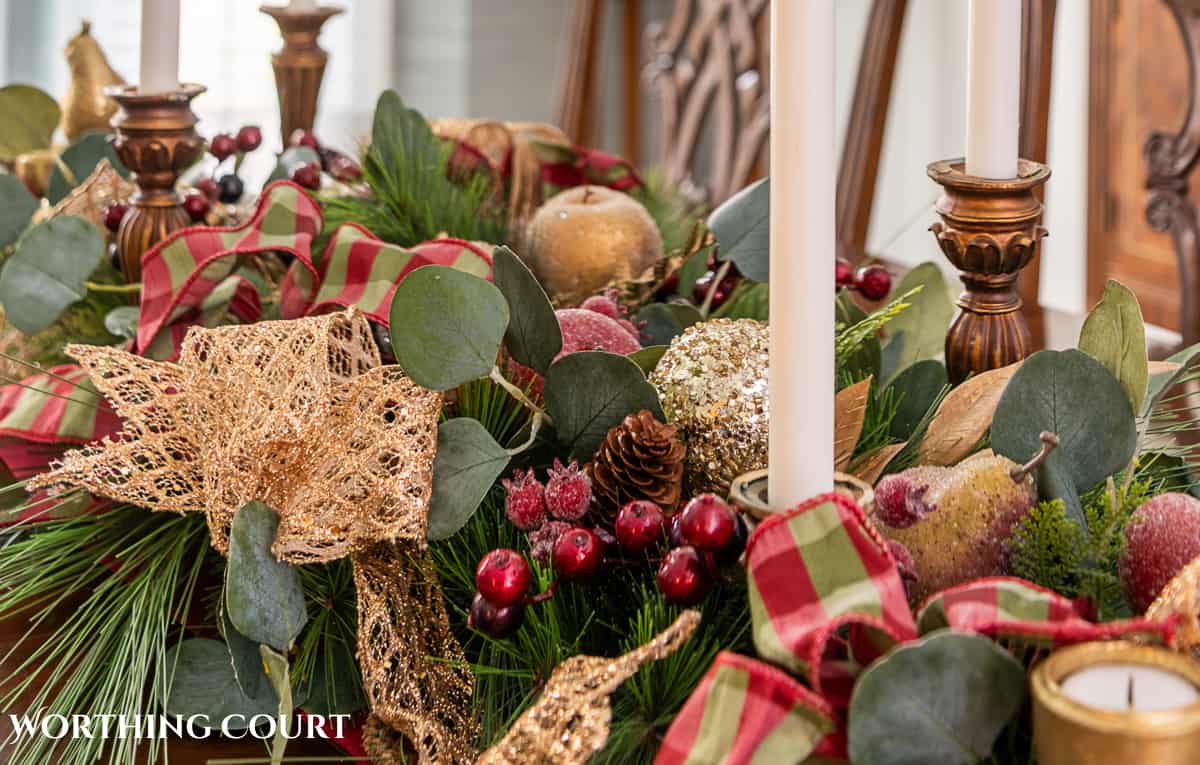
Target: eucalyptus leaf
(446,326)
(533,336)
(263,596)
(292,158)
(943,698)
(591,391)
(663,322)
(247,662)
(742,228)
(1072,395)
(925,322)
(203,683)
(647,358)
(1115,335)
(467,464)
(17,207)
(81,158)
(48,271)
(917,389)
(122,321)
(28,117)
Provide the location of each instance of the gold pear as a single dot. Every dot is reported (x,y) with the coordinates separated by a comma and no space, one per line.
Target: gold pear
(85,106)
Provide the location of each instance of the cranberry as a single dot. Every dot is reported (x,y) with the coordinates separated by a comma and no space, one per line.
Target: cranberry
(682,577)
(675,531)
(708,522)
(493,620)
(114,214)
(222,146)
(577,553)
(730,553)
(344,169)
(639,525)
(249,138)
(209,188)
(308,176)
(503,577)
(874,282)
(302,137)
(843,274)
(196,205)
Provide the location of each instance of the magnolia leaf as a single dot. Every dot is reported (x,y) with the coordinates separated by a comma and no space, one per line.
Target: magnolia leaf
(28,117)
(1071,394)
(647,358)
(401,135)
(663,322)
(742,228)
(263,596)
(446,326)
(202,683)
(17,206)
(533,336)
(467,464)
(943,698)
(1115,335)
(247,661)
(81,158)
(916,390)
(591,391)
(871,465)
(849,409)
(1165,375)
(964,417)
(925,322)
(293,157)
(48,271)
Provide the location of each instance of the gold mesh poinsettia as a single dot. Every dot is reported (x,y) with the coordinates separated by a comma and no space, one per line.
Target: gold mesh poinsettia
(301,416)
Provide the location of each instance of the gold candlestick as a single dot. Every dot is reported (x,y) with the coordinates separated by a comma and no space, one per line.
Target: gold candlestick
(155,137)
(990,231)
(1067,732)
(300,66)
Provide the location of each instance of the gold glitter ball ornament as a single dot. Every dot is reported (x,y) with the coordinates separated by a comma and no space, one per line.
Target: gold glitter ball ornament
(712,383)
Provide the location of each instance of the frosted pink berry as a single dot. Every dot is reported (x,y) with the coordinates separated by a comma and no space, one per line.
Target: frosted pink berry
(604,304)
(1163,536)
(525,501)
(542,539)
(584,330)
(568,491)
(900,500)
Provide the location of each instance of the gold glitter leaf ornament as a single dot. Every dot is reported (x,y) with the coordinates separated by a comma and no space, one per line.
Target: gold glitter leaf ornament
(1180,598)
(300,415)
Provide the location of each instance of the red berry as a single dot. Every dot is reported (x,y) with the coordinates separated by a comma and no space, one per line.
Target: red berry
(114,214)
(196,205)
(308,176)
(874,282)
(731,552)
(525,500)
(302,137)
(843,274)
(209,188)
(494,620)
(708,522)
(222,146)
(1163,536)
(639,525)
(249,138)
(568,491)
(503,577)
(577,553)
(344,169)
(682,577)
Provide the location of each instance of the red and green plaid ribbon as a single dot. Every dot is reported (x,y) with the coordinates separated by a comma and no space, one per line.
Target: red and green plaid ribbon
(565,167)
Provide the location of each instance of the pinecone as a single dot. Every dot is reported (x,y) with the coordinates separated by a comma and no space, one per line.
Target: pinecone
(640,459)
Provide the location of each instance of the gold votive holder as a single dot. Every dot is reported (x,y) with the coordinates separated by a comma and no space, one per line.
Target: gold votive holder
(748,492)
(1069,732)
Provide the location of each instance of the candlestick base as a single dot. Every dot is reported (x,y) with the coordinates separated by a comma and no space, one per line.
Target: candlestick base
(990,231)
(300,66)
(748,492)
(155,137)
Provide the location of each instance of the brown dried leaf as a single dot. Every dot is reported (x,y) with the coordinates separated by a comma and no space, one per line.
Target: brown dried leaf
(871,465)
(964,417)
(849,408)
(1161,367)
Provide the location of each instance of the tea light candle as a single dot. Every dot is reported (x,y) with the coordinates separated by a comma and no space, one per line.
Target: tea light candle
(1129,687)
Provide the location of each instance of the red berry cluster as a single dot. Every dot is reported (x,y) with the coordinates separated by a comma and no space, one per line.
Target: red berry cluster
(566,496)
(502,581)
(332,161)
(872,282)
(704,536)
(720,289)
(229,187)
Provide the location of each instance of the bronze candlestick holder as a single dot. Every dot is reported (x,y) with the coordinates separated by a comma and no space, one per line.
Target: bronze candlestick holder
(989,230)
(300,66)
(155,137)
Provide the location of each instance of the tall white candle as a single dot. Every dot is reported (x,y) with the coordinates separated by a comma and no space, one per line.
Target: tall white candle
(160,46)
(993,88)
(803,183)
(302,6)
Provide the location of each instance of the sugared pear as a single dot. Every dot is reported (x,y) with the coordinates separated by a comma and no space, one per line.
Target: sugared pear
(954,520)
(85,106)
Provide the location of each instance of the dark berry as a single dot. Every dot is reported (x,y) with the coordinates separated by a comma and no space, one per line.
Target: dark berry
(222,146)
(493,620)
(114,214)
(208,187)
(196,205)
(231,189)
(682,577)
(639,525)
(874,282)
(729,554)
(577,553)
(302,137)
(503,577)
(843,274)
(675,531)
(308,176)
(708,522)
(249,138)
(384,342)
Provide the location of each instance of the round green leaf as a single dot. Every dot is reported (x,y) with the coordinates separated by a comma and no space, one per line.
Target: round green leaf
(1115,335)
(47,272)
(1071,394)
(17,206)
(943,698)
(742,227)
(647,358)
(591,391)
(203,683)
(28,117)
(263,597)
(916,389)
(81,158)
(446,326)
(247,662)
(467,464)
(533,336)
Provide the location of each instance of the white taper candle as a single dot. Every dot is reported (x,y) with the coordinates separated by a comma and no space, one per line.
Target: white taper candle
(160,46)
(993,88)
